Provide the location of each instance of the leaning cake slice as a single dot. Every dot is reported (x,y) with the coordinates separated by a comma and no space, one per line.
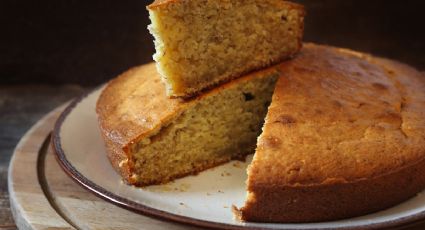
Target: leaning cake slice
(202,43)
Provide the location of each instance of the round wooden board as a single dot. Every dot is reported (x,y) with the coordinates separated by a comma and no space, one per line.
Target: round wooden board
(42,196)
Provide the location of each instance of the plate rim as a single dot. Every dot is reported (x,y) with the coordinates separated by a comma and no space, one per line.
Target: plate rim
(133,206)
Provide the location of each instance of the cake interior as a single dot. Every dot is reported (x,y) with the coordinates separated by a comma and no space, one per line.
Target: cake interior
(201,43)
(222,126)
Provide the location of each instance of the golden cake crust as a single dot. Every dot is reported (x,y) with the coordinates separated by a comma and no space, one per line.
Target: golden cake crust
(127,111)
(163,3)
(344,136)
(135,105)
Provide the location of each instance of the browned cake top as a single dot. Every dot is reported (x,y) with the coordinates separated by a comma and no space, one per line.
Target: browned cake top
(339,116)
(158,3)
(134,104)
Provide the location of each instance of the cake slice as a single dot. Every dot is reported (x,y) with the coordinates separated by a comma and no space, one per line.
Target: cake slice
(201,43)
(344,136)
(152,139)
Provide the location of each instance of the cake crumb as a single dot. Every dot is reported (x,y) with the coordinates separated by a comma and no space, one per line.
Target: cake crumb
(183,205)
(183,187)
(225,173)
(237,164)
(159,188)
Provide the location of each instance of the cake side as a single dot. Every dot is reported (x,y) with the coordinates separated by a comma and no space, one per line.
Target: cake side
(152,139)
(126,113)
(337,199)
(342,124)
(200,44)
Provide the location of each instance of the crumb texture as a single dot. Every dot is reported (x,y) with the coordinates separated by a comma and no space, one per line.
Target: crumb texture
(201,43)
(153,139)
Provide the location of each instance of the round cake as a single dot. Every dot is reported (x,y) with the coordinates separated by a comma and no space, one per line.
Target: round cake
(344,133)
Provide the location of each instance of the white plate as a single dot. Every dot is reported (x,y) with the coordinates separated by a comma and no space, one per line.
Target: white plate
(202,200)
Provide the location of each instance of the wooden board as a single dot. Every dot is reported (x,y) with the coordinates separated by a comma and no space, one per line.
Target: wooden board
(43,196)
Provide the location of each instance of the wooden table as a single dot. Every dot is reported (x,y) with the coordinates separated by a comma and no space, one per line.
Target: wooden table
(20,108)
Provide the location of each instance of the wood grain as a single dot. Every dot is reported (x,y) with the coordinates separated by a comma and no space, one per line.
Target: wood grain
(6,220)
(87,211)
(21,106)
(43,196)
(30,207)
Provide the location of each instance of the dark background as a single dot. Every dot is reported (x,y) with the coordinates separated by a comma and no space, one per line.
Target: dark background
(89,42)
(54,50)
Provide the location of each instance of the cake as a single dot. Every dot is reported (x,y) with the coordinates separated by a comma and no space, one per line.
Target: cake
(202,43)
(344,136)
(152,139)
(344,133)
